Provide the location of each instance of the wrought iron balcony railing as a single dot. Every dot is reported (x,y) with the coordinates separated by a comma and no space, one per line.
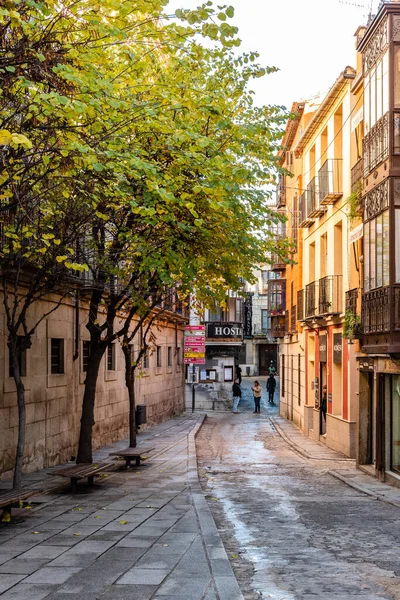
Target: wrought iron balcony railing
(281,193)
(311,300)
(330,181)
(330,295)
(357,175)
(316,209)
(293,319)
(376,311)
(351,301)
(305,220)
(277,263)
(376,145)
(300,305)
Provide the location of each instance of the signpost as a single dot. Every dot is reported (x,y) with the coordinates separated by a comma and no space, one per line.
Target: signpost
(194,351)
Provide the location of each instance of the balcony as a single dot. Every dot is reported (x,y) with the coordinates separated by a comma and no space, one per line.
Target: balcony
(281,193)
(357,176)
(376,145)
(381,321)
(293,319)
(304,211)
(277,263)
(351,301)
(324,297)
(316,210)
(300,305)
(311,300)
(376,311)
(278,326)
(276,297)
(330,181)
(330,295)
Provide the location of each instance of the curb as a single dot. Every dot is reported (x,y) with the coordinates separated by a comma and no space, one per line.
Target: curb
(223,576)
(362,489)
(302,452)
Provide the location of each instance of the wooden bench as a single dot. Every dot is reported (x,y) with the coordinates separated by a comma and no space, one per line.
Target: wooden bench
(129,453)
(81,471)
(10,497)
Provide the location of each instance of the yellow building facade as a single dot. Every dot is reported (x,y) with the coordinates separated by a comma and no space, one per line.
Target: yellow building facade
(318,368)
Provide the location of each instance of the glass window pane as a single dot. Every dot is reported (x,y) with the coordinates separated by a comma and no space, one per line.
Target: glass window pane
(396,76)
(395,425)
(396,133)
(397,225)
(379,91)
(366,104)
(373,98)
(372,254)
(385,83)
(386,261)
(379,250)
(366,257)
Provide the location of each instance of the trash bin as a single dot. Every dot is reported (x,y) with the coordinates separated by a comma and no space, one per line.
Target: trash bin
(248,371)
(140,415)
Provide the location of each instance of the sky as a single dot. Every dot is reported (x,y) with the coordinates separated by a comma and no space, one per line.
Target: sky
(310,41)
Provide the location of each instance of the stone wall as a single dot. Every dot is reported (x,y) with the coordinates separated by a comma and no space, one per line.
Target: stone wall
(53,402)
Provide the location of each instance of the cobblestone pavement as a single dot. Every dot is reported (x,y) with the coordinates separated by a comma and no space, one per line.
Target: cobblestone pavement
(146,533)
(291,530)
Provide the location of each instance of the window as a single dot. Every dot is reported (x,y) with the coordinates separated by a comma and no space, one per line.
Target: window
(169,356)
(111,357)
(376,252)
(146,360)
(158,354)
(57,356)
(178,356)
(265,321)
(21,362)
(85,355)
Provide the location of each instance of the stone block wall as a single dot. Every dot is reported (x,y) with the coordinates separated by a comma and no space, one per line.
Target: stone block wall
(54,402)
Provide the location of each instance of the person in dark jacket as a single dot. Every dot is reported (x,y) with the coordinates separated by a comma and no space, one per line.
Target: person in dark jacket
(323,406)
(271,385)
(237,394)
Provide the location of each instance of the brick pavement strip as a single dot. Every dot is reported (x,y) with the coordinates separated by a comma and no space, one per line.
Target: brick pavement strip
(138,535)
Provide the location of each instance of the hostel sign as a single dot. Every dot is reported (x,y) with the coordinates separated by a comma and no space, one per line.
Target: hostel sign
(195,345)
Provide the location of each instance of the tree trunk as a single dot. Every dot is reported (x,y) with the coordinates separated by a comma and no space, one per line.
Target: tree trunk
(87,420)
(130,384)
(21,419)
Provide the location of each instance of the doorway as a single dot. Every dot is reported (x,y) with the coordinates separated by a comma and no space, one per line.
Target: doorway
(322,391)
(267,353)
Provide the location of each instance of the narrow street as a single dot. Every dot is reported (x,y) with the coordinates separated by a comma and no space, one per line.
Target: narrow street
(291,530)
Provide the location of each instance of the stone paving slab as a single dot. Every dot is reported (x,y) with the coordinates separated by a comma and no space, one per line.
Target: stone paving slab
(346,472)
(140,534)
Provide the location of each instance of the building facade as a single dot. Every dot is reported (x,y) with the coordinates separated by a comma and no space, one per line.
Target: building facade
(261,348)
(379,362)
(54,373)
(319,378)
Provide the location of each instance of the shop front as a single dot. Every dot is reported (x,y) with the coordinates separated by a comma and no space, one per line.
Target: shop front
(379,419)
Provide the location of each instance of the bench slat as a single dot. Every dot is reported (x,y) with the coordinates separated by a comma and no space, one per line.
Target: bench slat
(9,497)
(132,452)
(81,471)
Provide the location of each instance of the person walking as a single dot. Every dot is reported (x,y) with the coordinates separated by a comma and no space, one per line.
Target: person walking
(257,396)
(271,386)
(237,394)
